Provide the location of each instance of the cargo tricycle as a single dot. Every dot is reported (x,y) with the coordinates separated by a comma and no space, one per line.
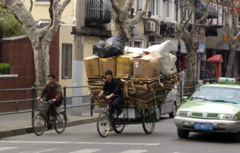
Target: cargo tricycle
(130,115)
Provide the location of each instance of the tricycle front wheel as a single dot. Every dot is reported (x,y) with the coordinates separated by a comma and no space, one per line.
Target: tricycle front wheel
(103,124)
(148,121)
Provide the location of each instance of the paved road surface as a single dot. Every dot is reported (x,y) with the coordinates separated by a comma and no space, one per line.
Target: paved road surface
(85,139)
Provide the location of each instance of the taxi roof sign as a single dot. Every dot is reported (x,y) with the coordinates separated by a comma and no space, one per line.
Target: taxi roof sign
(226,80)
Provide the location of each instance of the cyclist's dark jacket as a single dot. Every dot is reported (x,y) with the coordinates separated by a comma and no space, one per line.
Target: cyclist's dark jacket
(112,87)
(57,92)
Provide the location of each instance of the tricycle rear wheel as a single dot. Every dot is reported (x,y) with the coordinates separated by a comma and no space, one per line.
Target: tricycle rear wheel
(119,128)
(148,121)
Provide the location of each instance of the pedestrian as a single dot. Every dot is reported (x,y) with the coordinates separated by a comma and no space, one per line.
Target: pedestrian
(52,91)
(163,27)
(203,74)
(114,94)
(181,76)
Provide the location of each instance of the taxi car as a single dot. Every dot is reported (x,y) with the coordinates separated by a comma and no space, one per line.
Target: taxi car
(211,108)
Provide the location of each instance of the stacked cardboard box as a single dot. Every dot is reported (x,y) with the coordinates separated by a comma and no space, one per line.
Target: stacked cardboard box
(92,67)
(125,65)
(109,63)
(145,92)
(146,66)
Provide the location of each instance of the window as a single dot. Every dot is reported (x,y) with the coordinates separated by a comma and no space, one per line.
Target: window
(67,61)
(154,7)
(138,5)
(138,43)
(220,13)
(215,21)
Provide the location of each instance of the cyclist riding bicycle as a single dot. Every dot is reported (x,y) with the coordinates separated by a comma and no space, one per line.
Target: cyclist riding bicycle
(114,93)
(53,91)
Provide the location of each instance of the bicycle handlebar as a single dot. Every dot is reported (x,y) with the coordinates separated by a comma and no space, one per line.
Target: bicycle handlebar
(41,100)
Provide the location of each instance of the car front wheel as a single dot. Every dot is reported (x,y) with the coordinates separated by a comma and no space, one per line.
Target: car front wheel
(236,137)
(182,133)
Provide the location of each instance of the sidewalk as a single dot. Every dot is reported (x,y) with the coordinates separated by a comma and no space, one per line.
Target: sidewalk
(18,124)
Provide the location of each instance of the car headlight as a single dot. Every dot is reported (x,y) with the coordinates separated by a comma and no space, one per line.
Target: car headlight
(228,117)
(183,113)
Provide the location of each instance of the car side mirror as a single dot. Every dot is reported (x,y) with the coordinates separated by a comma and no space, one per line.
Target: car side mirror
(184,98)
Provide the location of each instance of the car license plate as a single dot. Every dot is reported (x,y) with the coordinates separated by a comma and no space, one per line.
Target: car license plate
(203,126)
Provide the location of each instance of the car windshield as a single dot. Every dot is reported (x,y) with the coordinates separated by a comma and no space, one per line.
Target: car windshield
(217,94)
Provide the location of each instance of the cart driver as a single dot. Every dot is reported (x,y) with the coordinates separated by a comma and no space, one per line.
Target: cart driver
(114,94)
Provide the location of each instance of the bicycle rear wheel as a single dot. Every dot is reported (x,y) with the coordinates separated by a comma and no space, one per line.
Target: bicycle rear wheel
(103,124)
(61,122)
(39,124)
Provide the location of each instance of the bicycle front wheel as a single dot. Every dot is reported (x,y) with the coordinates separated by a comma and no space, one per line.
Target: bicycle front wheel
(39,124)
(61,122)
(103,124)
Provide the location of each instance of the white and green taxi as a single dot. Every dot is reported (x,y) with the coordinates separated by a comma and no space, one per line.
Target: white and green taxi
(211,108)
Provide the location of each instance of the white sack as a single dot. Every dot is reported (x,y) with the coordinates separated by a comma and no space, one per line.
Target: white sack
(165,62)
(134,50)
(173,61)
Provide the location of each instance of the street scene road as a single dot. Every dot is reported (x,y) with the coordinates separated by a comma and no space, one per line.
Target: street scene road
(85,139)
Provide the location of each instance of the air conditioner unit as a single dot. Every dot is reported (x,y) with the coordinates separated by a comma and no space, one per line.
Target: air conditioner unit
(98,11)
(150,26)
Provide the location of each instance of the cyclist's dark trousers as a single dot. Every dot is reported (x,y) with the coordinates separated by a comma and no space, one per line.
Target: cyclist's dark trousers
(52,108)
(114,104)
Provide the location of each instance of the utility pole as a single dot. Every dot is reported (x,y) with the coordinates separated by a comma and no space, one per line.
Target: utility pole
(78,57)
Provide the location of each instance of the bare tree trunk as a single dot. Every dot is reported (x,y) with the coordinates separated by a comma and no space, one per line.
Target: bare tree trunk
(191,44)
(41,61)
(39,37)
(231,16)
(232,51)
(120,20)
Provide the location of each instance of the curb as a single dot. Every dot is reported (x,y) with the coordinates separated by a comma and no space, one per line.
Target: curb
(29,129)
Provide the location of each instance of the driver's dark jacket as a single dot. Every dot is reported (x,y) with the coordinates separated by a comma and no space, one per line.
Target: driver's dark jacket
(112,87)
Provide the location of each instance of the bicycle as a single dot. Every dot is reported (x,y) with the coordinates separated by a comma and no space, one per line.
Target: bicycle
(105,123)
(42,120)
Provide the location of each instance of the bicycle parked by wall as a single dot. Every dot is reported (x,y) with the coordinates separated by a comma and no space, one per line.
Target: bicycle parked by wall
(43,119)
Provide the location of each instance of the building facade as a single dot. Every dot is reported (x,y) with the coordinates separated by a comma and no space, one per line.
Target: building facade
(158,25)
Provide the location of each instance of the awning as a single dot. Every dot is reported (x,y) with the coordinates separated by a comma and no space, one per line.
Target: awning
(215,59)
(238,10)
(202,8)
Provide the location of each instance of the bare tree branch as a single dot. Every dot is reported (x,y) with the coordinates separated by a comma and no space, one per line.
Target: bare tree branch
(31,6)
(139,15)
(128,5)
(56,17)
(115,7)
(24,17)
(205,13)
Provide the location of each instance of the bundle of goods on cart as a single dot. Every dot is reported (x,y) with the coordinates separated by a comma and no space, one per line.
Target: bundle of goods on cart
(145,75)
